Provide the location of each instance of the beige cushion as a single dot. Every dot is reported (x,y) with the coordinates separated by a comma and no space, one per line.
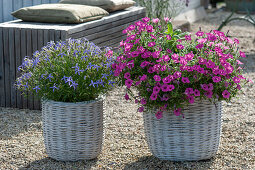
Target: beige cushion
(108,5)
(60,13)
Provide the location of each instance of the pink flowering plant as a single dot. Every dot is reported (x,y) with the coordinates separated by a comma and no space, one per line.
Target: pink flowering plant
(170,69)
(67,71)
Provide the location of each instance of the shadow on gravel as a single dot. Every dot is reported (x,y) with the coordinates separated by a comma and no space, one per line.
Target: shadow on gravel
(249,63)
(48,163)
(151,162)
(16,121)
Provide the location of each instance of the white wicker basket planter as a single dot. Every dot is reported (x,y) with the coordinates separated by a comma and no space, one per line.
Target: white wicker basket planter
(194,137)
(73,131)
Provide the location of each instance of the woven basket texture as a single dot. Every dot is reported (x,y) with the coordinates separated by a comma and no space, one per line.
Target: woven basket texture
(73,131)
(194,137)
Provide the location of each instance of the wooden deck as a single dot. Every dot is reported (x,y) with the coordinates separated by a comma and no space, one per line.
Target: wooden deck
(19,39)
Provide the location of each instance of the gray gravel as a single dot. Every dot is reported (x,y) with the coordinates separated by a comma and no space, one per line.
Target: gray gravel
(22,147)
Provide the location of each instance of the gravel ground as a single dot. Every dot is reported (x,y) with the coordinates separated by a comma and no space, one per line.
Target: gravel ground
(22,147)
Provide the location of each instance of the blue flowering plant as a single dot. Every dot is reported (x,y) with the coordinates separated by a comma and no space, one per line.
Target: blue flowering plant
(67,71)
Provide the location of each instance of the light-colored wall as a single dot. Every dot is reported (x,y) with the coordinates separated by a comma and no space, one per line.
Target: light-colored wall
(8,6)
(192,5)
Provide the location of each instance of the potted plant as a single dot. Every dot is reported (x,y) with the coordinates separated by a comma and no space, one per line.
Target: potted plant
(71,78)
(179,81)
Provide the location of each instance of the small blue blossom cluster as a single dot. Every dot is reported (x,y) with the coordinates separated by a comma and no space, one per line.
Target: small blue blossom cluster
(69,71)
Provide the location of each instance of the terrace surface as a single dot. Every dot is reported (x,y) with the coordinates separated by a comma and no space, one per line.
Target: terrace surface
(22,147)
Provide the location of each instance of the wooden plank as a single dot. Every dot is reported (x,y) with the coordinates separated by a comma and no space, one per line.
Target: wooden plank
(1,12)
(45,1)
(7,9)
(12,67)
(111,18)
(29,53)
(107,26)
(108,31)
(54,1)
(18,62)
(112,42)
(35,48)
(17,4)
(45,37)
(57,36)
(106,37)
(51,35)
(23,51)
(63,35)
(27,3)
(40,39)
(37,2)
(2,82)
(7,68)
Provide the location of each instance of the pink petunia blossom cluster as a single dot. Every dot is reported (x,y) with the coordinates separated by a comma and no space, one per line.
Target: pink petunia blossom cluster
(170,69)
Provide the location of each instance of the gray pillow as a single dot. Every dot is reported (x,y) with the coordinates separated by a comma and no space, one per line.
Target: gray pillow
(60,13)
(108,5)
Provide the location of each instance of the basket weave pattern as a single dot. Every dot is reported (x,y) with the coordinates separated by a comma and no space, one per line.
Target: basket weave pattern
(73,131)
(194,137)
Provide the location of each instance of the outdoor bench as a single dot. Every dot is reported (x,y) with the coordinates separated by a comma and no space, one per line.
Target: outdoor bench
(19,39)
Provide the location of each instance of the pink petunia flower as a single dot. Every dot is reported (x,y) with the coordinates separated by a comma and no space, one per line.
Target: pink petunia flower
(188,37)
(202,41)
(179,46)
(185,80)
(157,78)
(168,37)
(171,87)
(242,54)
(126,96)
(177,74)
(165,87)
(151,44)
(127,75)
(236,41)
(216,79)
(144,64)
(225,94)
(159,114)
(128,83)
(199,33)
(143,78)
(199,46)
(189,91)
(156,89)
(208,94)
(166,58)
(169,51)
(204,87)
(149,28)
(166,19)
(196,92)
(155,20)
(239,62)
(189,56)
(238,86)
(143,101)
(177,112)
(153,36)
(141,109)
(153,96)
(210,86)
(190,99)
(236,79)
(146,19)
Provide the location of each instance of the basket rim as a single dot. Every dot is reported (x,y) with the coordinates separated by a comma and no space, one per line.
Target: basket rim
(99,98)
